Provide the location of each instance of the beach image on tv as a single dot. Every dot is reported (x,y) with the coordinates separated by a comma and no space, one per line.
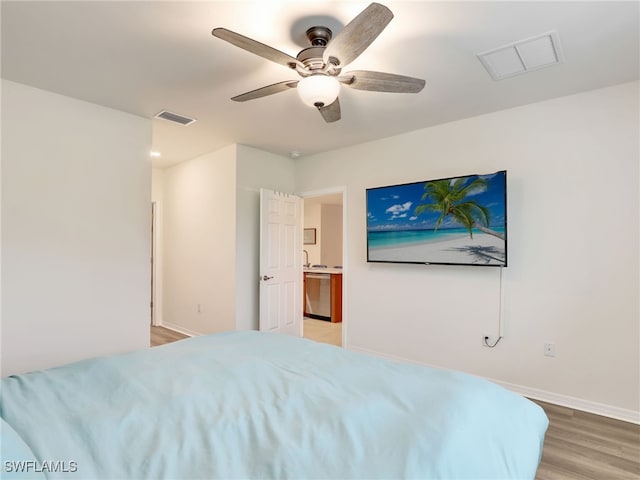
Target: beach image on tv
(460,221)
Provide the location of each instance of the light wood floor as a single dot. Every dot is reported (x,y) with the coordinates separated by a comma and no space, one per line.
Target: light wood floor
(161,335)
(578,445)
(318,330)
(322,331)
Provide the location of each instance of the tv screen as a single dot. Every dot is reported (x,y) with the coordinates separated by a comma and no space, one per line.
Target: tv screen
(447,221)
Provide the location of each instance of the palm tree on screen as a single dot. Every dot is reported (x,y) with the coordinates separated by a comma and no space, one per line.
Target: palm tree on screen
(450,198)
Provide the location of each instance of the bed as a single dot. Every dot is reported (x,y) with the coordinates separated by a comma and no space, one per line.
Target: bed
(246,405)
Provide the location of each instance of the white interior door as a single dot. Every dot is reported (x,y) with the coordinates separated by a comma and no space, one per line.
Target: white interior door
(280,263)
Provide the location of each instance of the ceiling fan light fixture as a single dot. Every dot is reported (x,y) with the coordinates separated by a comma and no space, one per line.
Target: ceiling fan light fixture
(318,90)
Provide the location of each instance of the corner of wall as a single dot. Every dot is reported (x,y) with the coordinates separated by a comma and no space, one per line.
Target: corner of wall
(256,169)
(86,258)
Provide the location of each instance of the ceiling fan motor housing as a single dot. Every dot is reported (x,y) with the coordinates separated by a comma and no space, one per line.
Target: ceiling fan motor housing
(319,36)
(311,57)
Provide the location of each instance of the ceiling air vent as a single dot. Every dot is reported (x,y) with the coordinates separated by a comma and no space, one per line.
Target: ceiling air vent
(174,117)
(522,56)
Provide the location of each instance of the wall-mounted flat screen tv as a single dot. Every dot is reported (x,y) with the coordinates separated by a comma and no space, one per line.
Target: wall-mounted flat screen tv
(447,221)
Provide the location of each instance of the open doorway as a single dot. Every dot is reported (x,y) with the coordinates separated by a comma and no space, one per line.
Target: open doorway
(323,261)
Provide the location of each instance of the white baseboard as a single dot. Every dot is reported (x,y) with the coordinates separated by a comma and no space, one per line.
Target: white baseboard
(605,410)
(179,329)
(596,408)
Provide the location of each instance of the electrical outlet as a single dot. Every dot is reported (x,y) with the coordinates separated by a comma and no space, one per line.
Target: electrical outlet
(489,339)
(549,349)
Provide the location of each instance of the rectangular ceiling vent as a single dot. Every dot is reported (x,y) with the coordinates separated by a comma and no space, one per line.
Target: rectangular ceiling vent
(174,117)
(523,56)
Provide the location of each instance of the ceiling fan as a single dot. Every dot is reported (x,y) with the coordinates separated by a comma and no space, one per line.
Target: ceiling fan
(320,65)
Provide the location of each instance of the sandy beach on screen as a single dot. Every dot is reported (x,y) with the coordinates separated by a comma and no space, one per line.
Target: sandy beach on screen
(483,249)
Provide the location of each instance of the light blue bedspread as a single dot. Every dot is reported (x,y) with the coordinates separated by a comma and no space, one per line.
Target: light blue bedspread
(260,405)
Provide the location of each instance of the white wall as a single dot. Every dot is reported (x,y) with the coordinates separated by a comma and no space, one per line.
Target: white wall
(255,169)
(327,220)
(211,237)
(331,235)
(313,219)
(199,243)
(572,279)
(75,229)
(157,184)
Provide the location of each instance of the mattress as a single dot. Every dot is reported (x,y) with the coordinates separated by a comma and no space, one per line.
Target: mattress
(259,405)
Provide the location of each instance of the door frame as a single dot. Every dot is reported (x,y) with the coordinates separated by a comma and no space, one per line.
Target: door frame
(345,284)
(156,264)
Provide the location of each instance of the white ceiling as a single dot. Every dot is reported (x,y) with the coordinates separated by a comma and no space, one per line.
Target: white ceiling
(328,199)
(146,56)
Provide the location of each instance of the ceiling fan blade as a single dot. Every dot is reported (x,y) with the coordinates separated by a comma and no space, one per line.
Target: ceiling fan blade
(264,91)
(253,46)
(331,113)
(358,34)
(381,82)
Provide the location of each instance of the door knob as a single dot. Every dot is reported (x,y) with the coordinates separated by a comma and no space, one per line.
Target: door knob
(265,278)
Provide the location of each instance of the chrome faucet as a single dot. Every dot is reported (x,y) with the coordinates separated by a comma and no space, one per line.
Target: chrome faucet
(307,257)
